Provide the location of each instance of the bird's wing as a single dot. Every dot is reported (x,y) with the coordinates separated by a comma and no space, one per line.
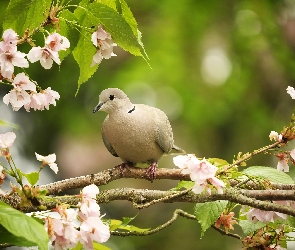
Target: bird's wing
(164,131)
(108,144)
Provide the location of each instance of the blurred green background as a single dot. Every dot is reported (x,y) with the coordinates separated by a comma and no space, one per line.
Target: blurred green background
(220,70)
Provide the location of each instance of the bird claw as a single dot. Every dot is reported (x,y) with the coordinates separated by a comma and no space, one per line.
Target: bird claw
(151,171)
(124,165)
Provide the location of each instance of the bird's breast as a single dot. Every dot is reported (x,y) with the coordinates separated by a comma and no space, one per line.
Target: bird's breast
(133,137)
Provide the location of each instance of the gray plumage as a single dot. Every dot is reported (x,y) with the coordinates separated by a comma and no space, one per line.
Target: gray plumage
(136,133)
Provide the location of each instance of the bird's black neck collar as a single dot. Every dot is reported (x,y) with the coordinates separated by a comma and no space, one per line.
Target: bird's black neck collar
(131,110)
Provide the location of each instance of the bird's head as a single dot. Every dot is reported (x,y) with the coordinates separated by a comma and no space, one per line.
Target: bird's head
(111,100)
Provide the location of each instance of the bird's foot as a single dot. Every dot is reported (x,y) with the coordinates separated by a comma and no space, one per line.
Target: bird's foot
(124,165)
(151,171)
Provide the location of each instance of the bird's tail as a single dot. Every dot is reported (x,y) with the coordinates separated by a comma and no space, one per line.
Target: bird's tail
(177,151)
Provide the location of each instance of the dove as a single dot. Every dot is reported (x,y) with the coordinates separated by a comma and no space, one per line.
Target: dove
(137,133)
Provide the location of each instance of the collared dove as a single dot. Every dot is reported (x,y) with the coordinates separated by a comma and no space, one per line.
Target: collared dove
(137,133)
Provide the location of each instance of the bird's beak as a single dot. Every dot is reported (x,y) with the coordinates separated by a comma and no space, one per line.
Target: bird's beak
(97,107)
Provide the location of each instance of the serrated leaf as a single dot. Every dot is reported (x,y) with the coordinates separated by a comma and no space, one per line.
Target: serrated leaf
(184,184)
(207,213)
(110,3)
(32,178)
(269,173)
(249,227)
(83,54)
(23,14)
(127,220)
(23,226)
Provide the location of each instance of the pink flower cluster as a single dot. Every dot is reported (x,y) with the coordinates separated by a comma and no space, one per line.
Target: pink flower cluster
(70,226)
(9,56)
(25,94)
(201,172)
(104,43)
(49,53)
(255,214)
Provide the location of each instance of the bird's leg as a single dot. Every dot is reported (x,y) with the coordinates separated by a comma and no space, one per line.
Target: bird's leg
(151,171)
(124,165)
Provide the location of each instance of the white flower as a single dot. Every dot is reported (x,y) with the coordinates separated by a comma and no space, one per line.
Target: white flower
(21,81)
(48,160)
(9,42)
(46,56)
(56,42)
(93,229)
(42,100)
(104,43)
(6,140)
(17,98)
(291,92)
(90,191)
(12,58)
(283,166)
(275,136)
(201,172)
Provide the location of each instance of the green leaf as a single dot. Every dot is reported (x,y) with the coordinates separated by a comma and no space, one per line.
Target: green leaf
(83,54)
(117,224)
(23,14)
(269,173)
(129,18)
(184,184)
(97,246)
(8,124)
(32,178)
(21,225)
(8,238)
(127,220)
(207,213)
(67,24)
(249,227)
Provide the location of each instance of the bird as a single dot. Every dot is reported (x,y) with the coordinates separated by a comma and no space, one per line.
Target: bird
(137,133)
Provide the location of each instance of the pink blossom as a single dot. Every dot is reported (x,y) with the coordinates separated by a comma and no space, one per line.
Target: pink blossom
(104,43)
(42,100)
(17,98)
(90,191)
(93,229)
(218,184)
(56,42)
(46,56)
(6,140)
(10,39)
(88,205)
(201,172)
(9,59)
(275,136)
(291,92)
(62,230)
(48,160)
(255,214)
(283,166)
(22,81)
(186,162)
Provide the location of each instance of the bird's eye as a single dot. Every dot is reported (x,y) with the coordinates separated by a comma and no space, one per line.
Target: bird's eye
(112,97)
